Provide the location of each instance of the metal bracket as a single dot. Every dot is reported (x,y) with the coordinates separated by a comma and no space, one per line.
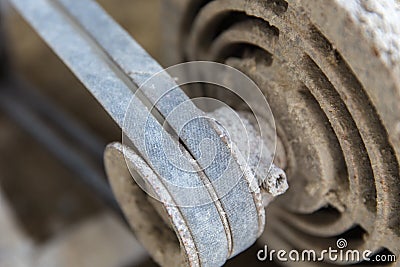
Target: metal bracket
(112,66)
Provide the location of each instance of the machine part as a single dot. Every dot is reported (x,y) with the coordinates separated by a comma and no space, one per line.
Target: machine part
(168,231)
(272,179)
(77,148)
(112,66)
(158,238)
(331,73)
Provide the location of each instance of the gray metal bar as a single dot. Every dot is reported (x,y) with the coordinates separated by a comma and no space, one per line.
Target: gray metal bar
(112,66)
(166,96)
(80,53)
(105,80)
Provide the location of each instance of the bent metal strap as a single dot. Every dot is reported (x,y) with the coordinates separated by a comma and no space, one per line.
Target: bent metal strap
(112,66)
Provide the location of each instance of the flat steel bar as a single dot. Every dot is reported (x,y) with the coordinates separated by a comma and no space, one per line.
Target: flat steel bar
(105,80)
(112,66)
(128,56)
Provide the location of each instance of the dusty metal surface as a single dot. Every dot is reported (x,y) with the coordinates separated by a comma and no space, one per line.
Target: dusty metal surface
(112,65)
(332,81)
(330,70)
(45,197)
(167,230)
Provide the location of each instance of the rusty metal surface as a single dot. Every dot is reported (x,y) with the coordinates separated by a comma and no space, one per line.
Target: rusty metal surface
(167,230)
(112,65)
(334,90)
(336,100)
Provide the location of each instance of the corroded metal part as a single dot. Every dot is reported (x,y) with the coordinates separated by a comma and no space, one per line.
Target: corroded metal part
(157,221)
(156,235)
(330,70)
(271,179)
(112,66)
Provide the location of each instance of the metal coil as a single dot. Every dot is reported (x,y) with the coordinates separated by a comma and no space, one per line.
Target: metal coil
(335,92)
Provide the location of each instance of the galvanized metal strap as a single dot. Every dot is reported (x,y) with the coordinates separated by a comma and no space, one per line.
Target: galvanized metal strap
(112,65)
(164,94)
